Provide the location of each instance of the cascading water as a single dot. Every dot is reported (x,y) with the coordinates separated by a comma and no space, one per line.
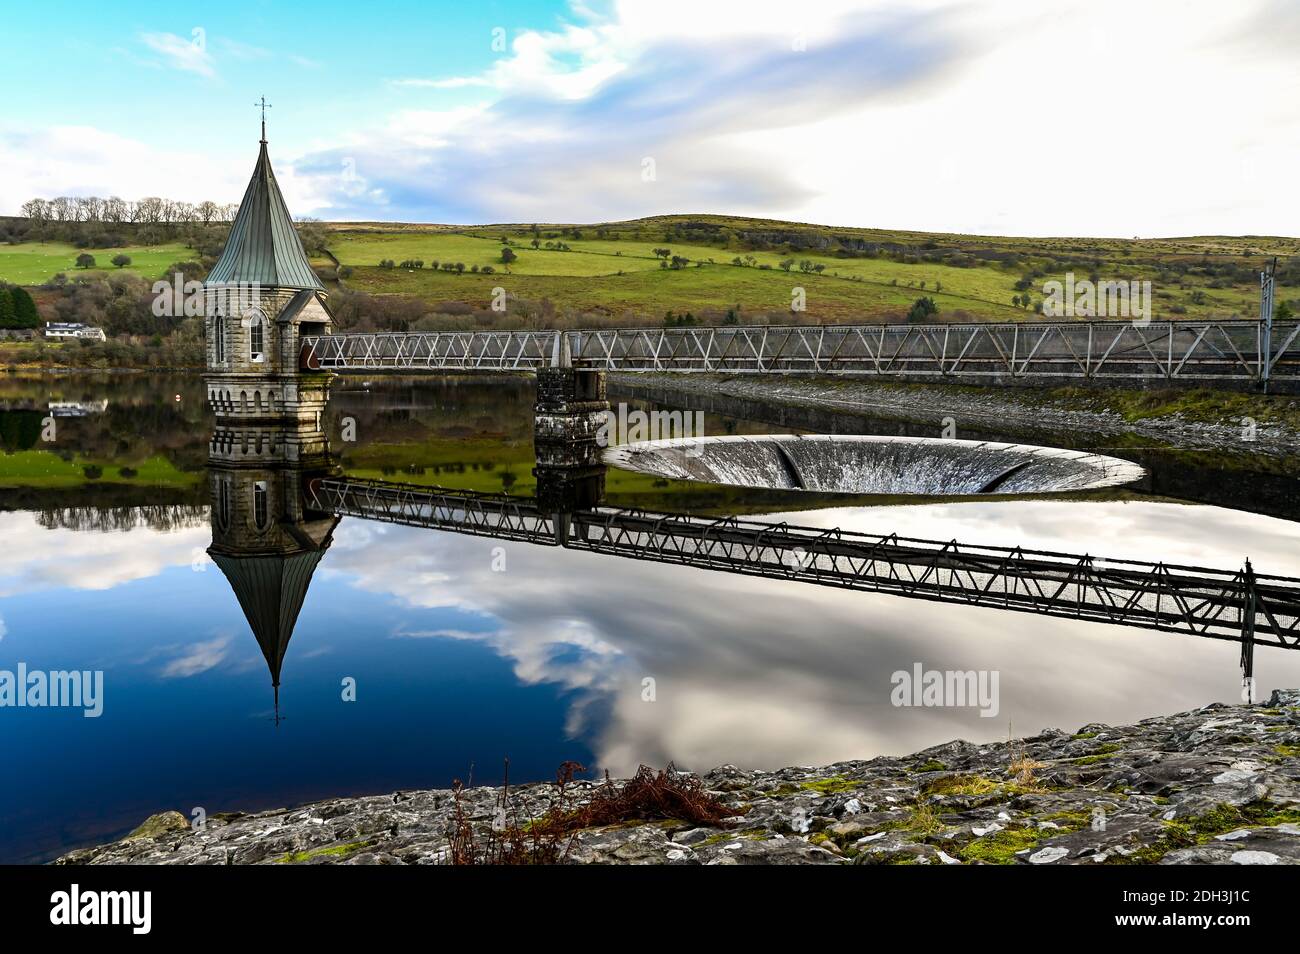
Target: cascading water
(875,465)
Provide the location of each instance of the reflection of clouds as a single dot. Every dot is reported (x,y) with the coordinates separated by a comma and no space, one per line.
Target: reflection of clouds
(197,658)
(3,629)
(768,672)
(34,558)
(437,634)
(1131,530)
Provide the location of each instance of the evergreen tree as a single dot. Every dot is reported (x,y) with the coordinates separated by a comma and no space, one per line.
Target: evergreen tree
(20,430)
(25,308)
(922,309)
(8,317)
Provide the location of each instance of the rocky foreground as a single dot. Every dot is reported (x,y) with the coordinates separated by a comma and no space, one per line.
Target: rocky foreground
(1217,785)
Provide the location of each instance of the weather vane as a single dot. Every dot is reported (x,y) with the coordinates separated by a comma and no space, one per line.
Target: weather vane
(265,105)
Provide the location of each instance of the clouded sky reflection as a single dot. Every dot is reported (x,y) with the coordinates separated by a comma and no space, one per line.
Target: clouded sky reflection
(766,673)
(458,665)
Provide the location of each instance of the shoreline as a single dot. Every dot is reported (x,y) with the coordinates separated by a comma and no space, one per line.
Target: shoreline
(38,369)
(931,404)
(1215,785)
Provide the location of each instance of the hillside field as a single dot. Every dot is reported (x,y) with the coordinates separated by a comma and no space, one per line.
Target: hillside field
(713,267)
(613,271)
(34,263)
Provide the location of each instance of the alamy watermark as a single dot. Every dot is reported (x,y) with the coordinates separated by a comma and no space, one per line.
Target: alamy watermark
(127,908)
(180,298)
(630,425)
(55,689)
(946,688)
(1097,299)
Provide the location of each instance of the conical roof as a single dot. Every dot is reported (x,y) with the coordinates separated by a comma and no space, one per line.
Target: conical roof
(271,590)
(263,247)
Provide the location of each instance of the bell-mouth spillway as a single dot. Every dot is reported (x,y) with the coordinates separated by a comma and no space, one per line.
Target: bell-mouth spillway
(858,464)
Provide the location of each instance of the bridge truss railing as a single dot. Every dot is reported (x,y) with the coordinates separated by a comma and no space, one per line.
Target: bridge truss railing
(484,515)
(1166,350)
(1199,601)
(1196,601)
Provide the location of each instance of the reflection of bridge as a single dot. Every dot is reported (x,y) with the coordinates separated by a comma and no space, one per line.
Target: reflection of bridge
(277,498)
(1239,606)
(1241,351)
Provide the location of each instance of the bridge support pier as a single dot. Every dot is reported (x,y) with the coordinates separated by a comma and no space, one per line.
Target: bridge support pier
(1248,611)
(564,490)
(570,408)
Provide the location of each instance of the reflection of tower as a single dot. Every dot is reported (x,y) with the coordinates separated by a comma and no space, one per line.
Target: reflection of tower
(259,299)
(265,538)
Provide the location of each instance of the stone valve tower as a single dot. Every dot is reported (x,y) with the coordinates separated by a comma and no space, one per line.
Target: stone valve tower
(260,299)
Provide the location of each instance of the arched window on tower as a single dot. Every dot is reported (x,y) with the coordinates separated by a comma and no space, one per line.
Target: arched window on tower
(256,337)
(261,513)
(219,339)
(223,503)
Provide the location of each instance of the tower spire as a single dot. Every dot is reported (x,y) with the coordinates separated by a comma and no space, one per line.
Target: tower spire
(264,106)
(263,247)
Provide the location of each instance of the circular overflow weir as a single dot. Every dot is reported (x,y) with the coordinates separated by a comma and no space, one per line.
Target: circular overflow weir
(856,464)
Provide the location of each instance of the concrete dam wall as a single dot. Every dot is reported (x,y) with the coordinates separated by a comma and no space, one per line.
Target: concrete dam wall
(875,465)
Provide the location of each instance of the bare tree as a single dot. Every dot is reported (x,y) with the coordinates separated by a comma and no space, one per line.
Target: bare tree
(37,211)
(150,210)
(115,209)
(86,208)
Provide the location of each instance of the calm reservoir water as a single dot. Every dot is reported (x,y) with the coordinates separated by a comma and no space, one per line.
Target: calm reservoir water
(464,650)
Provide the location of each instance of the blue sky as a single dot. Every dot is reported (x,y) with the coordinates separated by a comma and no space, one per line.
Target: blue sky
(320,62)
(1086,117)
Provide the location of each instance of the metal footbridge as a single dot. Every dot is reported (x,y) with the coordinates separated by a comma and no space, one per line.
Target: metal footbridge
(1206,351)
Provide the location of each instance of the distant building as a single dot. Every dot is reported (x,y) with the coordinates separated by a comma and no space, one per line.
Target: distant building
(78,408)
(68,329)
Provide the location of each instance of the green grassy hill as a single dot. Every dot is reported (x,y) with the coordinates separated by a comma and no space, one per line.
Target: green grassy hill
(34,263)
(612,270)
(618,272)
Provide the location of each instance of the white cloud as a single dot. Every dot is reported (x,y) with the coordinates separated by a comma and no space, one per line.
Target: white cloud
(198,658)
(195,55)
(240,50)
(84,160)
(1077,117)
(457,634)
(34,558)
(189,55)
(947,117)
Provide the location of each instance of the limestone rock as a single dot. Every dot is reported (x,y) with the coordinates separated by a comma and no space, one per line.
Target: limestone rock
(161,824)
(1216,785)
